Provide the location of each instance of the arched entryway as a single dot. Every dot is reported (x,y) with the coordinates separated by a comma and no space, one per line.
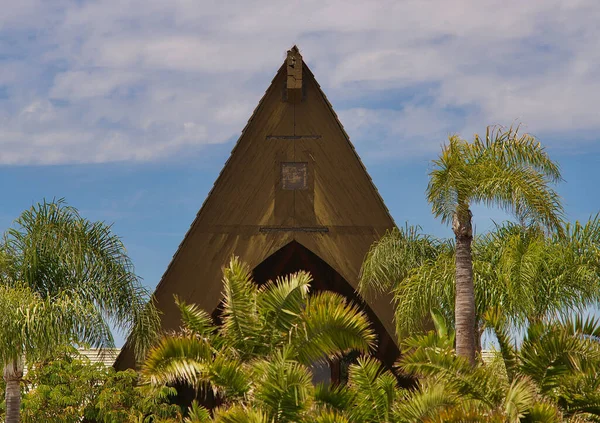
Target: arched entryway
(292,258)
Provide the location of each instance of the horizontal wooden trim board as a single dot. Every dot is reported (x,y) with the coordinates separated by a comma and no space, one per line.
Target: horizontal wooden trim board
(293,137)
(255,229)
(293,229)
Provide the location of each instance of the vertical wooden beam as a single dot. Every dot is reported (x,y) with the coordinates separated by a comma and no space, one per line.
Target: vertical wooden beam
(294,75)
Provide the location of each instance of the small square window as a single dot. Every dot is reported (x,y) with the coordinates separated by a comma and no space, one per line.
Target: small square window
(294,175)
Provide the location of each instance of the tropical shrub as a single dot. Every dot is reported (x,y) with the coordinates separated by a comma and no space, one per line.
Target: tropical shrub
(70,388)
(258,361)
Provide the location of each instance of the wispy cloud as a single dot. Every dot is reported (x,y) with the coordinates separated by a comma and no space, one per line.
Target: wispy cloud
(99,81)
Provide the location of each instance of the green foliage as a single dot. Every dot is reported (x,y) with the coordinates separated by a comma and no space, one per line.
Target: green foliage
(258,322)
(63,281)
(533,275)
(32,325)
(418,270)
(554,379)
(197,414)
(551,378)
(374,391)
(506,169)
(60,391)
(70,388)
(562,360)
(122,400)
(527,273)
(61,256)
(259,359)
(282,387)
(451,389)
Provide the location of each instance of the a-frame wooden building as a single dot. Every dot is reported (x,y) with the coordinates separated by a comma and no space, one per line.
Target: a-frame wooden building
(293,195)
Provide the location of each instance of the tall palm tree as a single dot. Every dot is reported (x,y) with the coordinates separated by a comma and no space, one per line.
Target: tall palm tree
(68,279)
(532,275)
(505,169)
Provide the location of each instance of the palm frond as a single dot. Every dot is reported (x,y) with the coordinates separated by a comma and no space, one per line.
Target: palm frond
(551,352)
(507,169)
(197,414)
(283,387)
(195,319)
(240,317)
(241,414)
(281,303)
(519,190)
(375,390)
(456,372)
(417,269)
(425,403)
(519,399)
(427,287)
(228,377)
(179,359)
(334,397)
(468,411)
(511,148)
(331,326)
(57,252)
(329,416)
(36,327)
(440,339)
(445,191)
(495,320)
(391,259)
(543,412)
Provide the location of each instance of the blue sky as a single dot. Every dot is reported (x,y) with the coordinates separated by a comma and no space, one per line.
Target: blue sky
(129,108)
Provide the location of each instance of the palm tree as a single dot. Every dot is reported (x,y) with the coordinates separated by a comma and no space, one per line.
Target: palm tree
(67,279)
(533,276)
(31,325)
(537,277)
(263,351)
(505,169)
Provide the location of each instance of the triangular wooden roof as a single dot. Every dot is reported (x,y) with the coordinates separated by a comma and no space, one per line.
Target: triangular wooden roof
(293,175)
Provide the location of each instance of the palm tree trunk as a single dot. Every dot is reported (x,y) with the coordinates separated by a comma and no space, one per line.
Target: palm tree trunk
(464,307)
(13,374)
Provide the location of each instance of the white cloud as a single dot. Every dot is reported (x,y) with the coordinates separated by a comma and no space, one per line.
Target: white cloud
(79,85)
(391,134)
(145,79)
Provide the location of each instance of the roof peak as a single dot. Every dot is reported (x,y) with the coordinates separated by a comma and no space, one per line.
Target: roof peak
(294,75)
